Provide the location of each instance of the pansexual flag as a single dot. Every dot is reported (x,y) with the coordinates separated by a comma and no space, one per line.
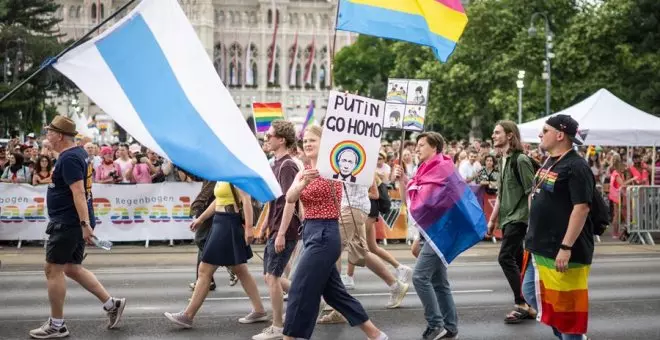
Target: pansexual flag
(445,209)
(265,114)
(562,298)
(435,23)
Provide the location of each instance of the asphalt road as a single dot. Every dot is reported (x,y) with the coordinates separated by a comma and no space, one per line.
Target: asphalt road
(624,294)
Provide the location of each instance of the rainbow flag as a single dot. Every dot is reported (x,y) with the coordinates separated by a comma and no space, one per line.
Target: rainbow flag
(415,122)
(562,298)
(308,119)
(265,114)
(435,23)
(445,209)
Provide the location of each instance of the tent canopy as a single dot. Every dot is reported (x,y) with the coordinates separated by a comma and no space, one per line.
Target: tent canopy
(604,120)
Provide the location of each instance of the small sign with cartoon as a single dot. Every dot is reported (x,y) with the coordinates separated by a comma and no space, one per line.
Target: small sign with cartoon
(406,103)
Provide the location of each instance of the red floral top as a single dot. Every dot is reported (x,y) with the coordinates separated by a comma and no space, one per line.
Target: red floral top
(318,200)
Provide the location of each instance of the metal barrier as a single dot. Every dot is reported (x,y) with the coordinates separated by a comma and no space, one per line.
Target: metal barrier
(643,213)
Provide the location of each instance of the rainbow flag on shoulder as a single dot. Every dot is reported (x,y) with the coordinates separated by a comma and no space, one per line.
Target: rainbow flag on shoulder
(445,209)
(435,23)
(265,114)
(562,298)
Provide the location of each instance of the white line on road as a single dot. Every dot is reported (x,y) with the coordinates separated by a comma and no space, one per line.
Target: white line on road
(473,291)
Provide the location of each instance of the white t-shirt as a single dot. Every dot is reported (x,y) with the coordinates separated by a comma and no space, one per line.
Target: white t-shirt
(465,169)
(124,166)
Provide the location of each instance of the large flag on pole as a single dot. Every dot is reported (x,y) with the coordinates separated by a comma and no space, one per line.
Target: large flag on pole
(272,61)
(445,209)
(293,77)
(435,23)
(152,75)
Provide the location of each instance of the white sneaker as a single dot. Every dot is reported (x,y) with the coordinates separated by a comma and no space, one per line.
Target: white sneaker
(397,295)
(348,282)
(48,331)
(254,317)
(404,274)
(270,333)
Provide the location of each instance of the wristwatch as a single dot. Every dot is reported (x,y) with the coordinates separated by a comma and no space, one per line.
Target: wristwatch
(565,247)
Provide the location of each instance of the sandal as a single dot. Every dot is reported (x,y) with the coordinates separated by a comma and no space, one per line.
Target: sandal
(331,318)
(517,316)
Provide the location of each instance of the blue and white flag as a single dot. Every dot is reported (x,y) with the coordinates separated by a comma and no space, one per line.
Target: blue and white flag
(152,75)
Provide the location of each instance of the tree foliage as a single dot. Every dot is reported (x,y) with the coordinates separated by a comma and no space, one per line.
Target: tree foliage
(612,44)
(28,36)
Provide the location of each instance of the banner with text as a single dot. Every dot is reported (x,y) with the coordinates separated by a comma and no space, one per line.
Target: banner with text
(351,138)
(123,212)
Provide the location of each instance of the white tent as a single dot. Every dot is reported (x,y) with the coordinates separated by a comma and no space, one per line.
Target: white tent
(604,120)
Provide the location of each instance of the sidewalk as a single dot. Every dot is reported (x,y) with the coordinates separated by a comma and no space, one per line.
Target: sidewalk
(32,258)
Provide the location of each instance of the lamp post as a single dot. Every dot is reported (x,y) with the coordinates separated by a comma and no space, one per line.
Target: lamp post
(547,74)
(520,83)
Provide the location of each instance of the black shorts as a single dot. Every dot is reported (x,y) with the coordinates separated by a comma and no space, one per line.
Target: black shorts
(65,244)
(374,211)
(275,263)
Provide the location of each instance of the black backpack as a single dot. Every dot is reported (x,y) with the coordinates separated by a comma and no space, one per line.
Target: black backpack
(384,201)
(599,212)
(514,166)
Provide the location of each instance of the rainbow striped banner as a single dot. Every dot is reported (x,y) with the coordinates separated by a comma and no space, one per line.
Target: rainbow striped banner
(265,114)
(435,23)
(563,298)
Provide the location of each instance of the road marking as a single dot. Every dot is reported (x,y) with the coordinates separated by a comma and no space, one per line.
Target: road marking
(237,298)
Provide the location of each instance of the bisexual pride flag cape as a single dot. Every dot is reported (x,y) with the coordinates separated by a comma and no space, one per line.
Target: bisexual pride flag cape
(152,75)
(445,208)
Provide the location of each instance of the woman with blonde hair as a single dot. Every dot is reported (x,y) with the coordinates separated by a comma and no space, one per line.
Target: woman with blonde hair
(317,275)
(617,191)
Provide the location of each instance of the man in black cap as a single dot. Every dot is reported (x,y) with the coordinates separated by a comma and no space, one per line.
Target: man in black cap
(70,226)
(560,236)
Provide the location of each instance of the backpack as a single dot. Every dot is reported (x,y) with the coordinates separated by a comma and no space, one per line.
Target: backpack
(514,167)
(384,201)
(599,213)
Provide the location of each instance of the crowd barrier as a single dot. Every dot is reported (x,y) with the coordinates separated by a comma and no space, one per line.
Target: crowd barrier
(643,213)
(141,212)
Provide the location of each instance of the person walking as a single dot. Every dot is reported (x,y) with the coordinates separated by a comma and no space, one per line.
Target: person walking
(560,239)
(317,273)
(511,212)
(430,274)
(283,224)
(69,228)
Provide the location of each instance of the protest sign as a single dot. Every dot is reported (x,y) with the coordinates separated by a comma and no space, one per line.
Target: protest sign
(351,138)
(406,103)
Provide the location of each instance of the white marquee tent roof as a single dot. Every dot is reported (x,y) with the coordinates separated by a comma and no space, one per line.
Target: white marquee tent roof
(604,120)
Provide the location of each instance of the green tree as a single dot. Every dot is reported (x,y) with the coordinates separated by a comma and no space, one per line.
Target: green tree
(28,36)
(364,66)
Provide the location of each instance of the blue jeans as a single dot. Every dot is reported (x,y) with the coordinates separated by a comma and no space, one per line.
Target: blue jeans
(432,286)
(529,291)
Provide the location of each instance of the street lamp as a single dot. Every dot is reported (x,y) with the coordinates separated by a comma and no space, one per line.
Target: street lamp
(547,74)
(520,83)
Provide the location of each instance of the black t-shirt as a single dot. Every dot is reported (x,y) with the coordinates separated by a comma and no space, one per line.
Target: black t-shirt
(285,170)
(567,183)
(72,166)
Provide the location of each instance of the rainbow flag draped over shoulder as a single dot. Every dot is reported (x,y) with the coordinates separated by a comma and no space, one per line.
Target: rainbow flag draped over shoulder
(445,209)
(562,298)
(265,114)
(435,23)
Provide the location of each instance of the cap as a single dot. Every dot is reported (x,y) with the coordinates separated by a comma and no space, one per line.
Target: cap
(106,150)
(31,135)
(135,148)
(567,125)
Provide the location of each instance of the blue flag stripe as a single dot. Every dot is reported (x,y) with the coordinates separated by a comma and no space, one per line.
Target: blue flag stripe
(152,88)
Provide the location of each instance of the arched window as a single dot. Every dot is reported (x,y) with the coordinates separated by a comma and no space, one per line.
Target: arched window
(277,75)
(72,12)
(276,68)
(102,11)
(322,78)
(270,17)
(251,79)
(298,76)
(311,84)
(235,55)
(255,76)
(94,11)
(277,15)
(79,12)
(219,61)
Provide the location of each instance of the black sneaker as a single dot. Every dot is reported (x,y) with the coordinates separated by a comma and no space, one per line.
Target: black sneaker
(449,335)
(432,333)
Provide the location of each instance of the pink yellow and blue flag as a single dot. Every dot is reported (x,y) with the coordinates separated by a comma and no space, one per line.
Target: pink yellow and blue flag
(265,114)
(445,209)
(435,23)
(308,119)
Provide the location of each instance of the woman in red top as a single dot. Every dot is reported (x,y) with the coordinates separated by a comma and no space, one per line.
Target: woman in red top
(317,274)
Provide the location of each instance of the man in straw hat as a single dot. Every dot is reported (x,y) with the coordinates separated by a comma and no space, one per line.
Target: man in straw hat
(69,207)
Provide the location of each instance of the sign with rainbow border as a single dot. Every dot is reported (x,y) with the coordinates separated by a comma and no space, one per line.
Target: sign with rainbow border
(351,138)
(405,105)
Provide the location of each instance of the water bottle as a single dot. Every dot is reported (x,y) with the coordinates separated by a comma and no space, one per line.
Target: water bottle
(103,244)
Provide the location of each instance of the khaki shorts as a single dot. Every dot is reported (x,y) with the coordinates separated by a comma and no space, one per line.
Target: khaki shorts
(352,230)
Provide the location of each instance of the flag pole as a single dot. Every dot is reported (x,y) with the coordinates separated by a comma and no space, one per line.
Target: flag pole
(334,44)
(50,61)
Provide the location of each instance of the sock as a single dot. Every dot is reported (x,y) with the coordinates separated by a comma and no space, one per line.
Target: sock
(57,323)
(108,305)
(394,286)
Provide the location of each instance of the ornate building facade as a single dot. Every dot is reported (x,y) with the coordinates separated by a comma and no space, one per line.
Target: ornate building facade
(238,35)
